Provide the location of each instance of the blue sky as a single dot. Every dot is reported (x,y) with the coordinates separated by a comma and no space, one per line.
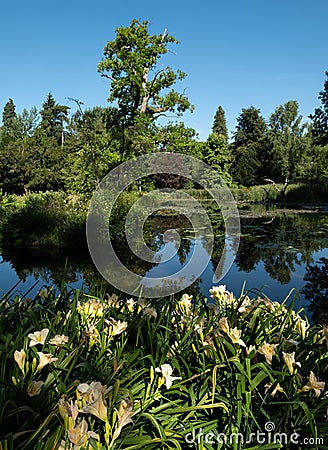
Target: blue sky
(236,53)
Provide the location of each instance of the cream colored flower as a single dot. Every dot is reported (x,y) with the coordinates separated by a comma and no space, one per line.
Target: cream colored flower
(95,396)
(80,435)
(130,304)
(166,371)
(234,334)
(20,357)
(223,325)
(290,362)
(70,409)
(268,386)
(268,350)
(59,340)
(302,326)
(185,302)
(142,303)
(34,388)
(218,291)
(113,301)
(124,414)
(38,337)
(150,312)
(44,359)
(118,326)
(250,349)
(314,384)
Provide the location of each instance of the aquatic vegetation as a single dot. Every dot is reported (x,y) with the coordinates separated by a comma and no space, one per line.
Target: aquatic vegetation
(104,372)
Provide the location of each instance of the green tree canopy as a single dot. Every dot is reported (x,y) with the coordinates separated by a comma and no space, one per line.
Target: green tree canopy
(220,123)
(139,84)
(320,116)
(53,118)
(9,115)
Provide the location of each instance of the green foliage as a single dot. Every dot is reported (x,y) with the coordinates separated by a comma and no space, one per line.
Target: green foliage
(157,374)
(288,150)
(320,117)
(9,115)
(217,155)
(53,117)
(249,147)
(220,124)
(137,82)
(45,220)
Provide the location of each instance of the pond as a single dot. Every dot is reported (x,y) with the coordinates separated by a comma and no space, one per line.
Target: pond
(280,250)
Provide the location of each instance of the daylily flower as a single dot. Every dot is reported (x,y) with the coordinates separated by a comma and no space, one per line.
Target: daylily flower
(250,349)
(234,334)
(34,388)
(290,362)
(44,359)
(124,414)
(113,301)
(314,384)
(166,378)
(142,303)
(302,327)
(59,340)
(268,350)
(150,312)
(38,337)
(130,304)
(185,302)
(80,434)
(20,357)
(268,386)
(95,395)
(224,325)
(217,291)
(71,409)
(117,326)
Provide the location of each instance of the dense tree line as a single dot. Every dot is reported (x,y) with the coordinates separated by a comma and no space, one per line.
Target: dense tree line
(58,149)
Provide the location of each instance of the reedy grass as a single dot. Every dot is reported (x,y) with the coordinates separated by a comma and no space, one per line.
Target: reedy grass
(224,386)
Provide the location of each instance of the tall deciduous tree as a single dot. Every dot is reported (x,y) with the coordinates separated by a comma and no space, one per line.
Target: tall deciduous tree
(220,123)
(139,84)
(288,144)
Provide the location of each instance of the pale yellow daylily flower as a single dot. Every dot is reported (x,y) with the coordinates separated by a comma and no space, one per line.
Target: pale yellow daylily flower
(118,326)
(34,388)
(44,359)
(38,337)
(278,388)
(124,414)
(166,371)
(250,349)
(302,326)
(150,312)
(95,395)
(130,304)
(20,357)
(234,334)
(314,384)
(218,291)
(113,301)
(290,362)
(142,303)
(59,340)
(223,325)
(268,350)
(69,409)
(80,434)
(185,302)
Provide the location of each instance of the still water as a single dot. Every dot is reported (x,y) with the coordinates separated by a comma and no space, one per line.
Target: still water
(276,252)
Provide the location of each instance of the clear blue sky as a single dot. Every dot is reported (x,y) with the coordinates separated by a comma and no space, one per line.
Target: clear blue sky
(236,53)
